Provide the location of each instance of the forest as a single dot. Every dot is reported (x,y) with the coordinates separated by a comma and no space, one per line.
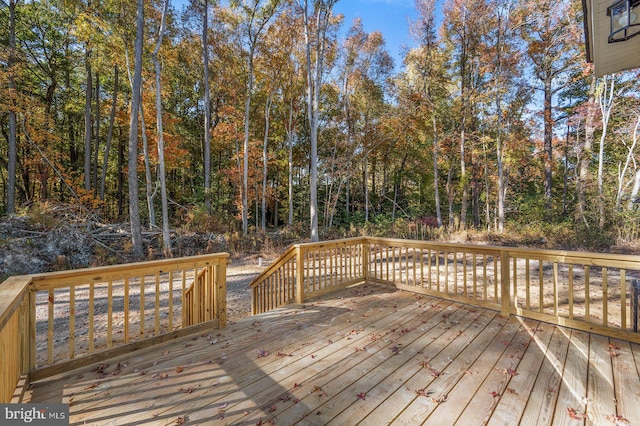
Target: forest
(246,117)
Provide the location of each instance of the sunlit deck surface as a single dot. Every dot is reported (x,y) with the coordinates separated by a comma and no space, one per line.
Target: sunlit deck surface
(368,355)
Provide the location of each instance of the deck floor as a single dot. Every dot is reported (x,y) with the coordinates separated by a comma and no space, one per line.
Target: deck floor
(367,355)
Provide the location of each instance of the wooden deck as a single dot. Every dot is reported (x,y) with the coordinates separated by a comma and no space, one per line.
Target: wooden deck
(365,355)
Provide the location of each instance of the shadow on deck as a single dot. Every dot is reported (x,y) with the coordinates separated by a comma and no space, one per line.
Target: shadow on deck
(369,355)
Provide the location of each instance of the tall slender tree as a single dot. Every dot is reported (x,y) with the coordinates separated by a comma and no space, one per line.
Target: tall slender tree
(136,97)
(166,236)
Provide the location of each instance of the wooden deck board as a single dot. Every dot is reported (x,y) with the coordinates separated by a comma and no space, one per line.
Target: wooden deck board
(367,355)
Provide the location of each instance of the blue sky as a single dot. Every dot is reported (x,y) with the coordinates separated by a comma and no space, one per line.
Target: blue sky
(390,17)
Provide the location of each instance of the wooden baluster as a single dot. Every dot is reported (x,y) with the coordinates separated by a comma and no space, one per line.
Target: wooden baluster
(587,294)
(126,310)
(605,297)
(91,314)
(157,303)
(464,275)
(555,288)
(142,306)
(623,299)
(475,276)
(570,291)
(455,272)
(495,279)
(109,313)
(528,284)
(514,277)
(50,324)
(484,276)
(171,301)
(541,285)
(72,322)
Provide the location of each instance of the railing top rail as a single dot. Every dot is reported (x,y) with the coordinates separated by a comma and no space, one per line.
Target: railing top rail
(102,273)
(559,255)
(12,293)
(332,243)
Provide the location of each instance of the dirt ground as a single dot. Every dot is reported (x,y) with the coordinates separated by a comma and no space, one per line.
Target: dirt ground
(240,273)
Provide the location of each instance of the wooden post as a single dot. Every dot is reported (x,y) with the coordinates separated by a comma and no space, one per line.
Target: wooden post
(504,283)
(299,274)
(221,285)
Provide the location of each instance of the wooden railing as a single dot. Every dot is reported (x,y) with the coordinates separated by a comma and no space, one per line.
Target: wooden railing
(586,291)
(306,270)
(53,322)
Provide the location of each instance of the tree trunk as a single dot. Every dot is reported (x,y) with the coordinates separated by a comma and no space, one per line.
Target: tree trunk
(112,119)
(606,104)
(134,209)
(436,189)
(548,146)
(96,146)
(290,133)
(207,109)
(245,170)
(265,161)
(166,236)
(87,122)
(13,155)
(583,175)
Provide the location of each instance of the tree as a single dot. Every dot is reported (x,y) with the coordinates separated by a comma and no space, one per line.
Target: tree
(12,154)
(207,107)
(257,14)
(136,95)
(316,26)
(551,34)
(166,237)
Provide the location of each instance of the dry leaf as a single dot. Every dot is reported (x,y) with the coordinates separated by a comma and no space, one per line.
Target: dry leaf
(179,369)
(362,395)
(495,394)
(618,420)
(575,414)
(424,392)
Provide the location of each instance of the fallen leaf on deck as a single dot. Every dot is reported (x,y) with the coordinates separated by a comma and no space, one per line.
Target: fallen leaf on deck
(187,390)
(618,420)
(179,369)
(358,349)
(424,392)
(272,409)
(282,354)
(394,349)
(262,353)
(442,399)
(495,394)
(362,396)
(575,414)
(181,420)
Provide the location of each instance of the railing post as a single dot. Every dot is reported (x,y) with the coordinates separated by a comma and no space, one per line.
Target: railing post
(365,260)
(221,285)
(299,274)
(505,283)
